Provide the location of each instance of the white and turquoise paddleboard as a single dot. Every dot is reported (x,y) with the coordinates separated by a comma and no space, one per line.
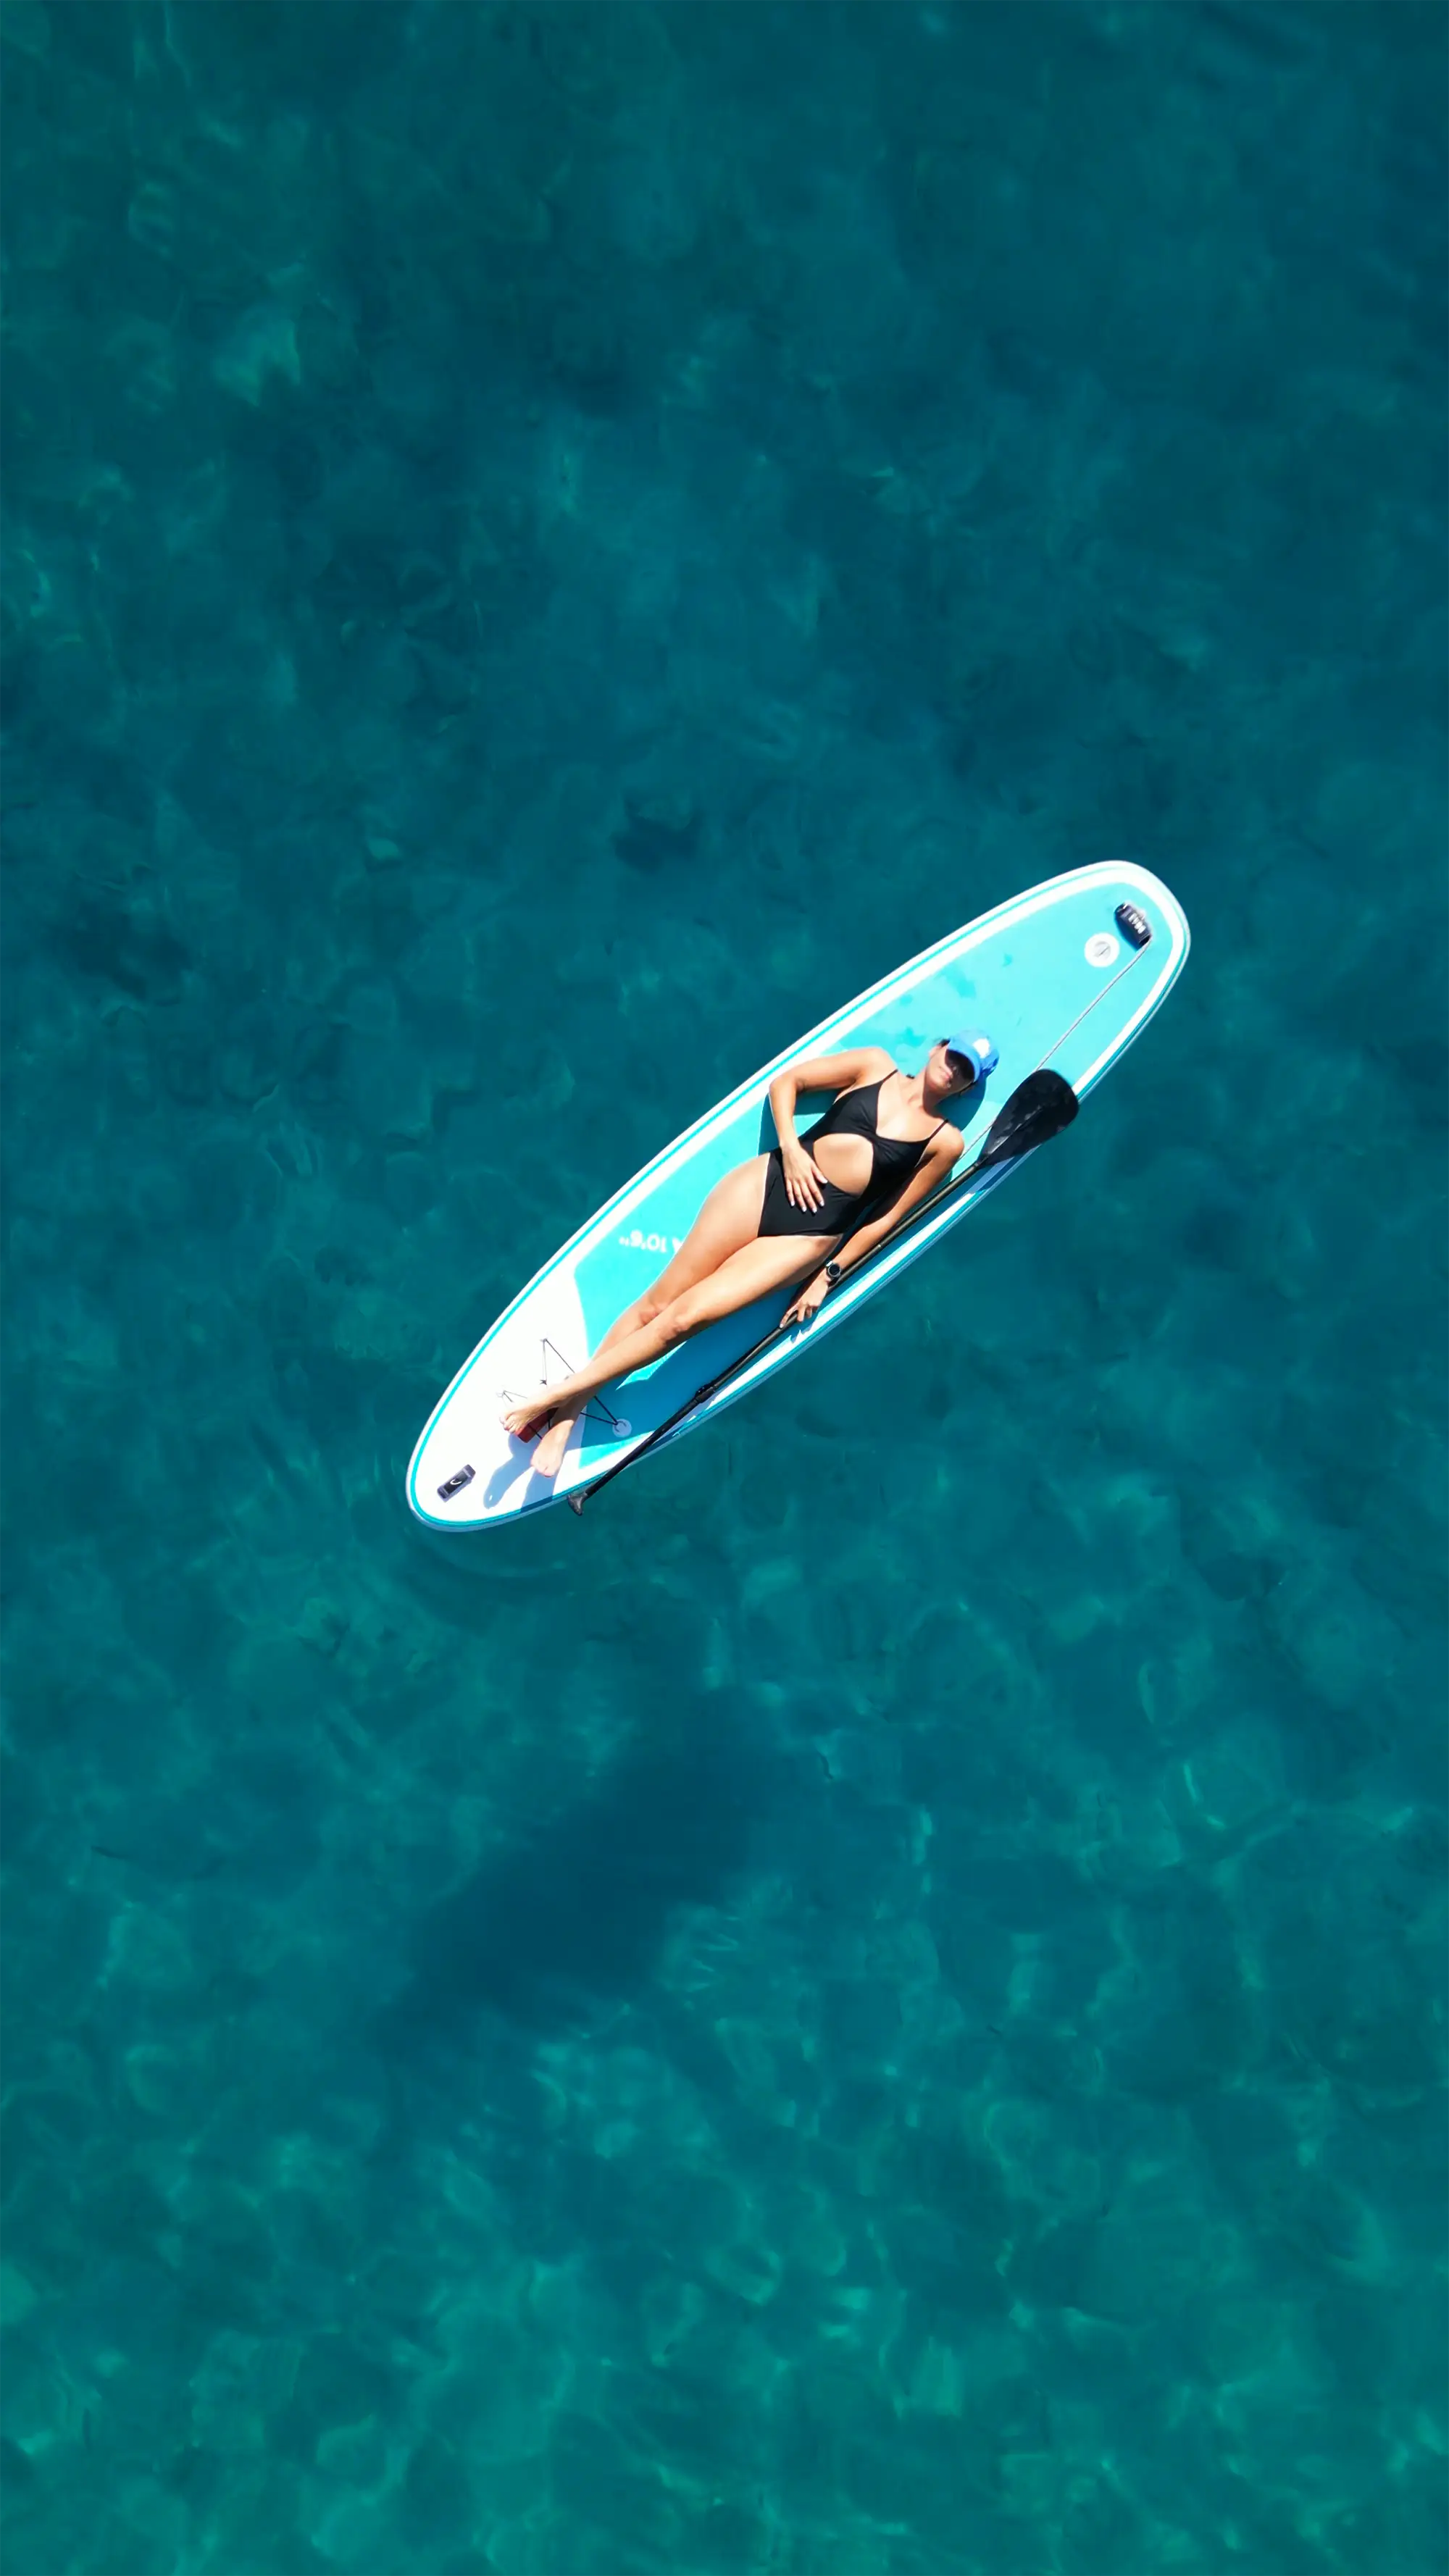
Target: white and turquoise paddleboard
(1054,978)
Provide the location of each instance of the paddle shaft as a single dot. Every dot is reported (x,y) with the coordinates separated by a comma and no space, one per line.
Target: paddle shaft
(702,1393)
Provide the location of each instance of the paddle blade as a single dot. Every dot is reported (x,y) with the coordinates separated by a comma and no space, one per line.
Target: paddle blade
(1038,1109)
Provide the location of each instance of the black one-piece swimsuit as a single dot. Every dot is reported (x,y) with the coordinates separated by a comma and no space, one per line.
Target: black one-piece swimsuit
(844,1211)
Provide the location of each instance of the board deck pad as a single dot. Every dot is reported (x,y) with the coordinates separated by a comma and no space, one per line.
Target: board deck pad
(1053,979)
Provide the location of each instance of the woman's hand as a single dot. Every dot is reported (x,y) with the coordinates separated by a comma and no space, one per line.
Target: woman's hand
(811,1298)
(803,1185)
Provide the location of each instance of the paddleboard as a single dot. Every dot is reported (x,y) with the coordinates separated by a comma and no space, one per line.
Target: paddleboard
(1059,976)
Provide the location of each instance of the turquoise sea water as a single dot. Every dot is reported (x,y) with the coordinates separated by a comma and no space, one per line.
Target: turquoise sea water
(875,2007)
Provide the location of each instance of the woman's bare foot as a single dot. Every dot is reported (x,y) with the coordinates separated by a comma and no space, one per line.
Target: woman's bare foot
(548,1457)
(525,1421)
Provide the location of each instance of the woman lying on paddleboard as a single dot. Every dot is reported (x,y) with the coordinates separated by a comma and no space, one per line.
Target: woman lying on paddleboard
(779,1216)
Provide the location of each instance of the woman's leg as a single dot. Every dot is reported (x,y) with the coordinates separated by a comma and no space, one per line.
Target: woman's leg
(773,1261)
(729,1218)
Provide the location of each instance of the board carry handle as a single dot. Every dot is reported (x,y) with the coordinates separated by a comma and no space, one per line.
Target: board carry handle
(1038,1109)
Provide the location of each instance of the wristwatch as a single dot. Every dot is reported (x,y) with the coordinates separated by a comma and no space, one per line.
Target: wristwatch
(833,1272)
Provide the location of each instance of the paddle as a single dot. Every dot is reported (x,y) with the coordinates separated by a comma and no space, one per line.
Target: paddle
(1038,1109)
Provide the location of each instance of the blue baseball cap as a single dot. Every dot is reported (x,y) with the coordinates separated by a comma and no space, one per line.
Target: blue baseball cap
(978,1049)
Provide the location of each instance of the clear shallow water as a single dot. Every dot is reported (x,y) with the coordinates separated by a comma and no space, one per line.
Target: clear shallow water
(876,2006)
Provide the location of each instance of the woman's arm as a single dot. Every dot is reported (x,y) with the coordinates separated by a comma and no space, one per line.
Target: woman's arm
(945,1153)
(817,1073)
